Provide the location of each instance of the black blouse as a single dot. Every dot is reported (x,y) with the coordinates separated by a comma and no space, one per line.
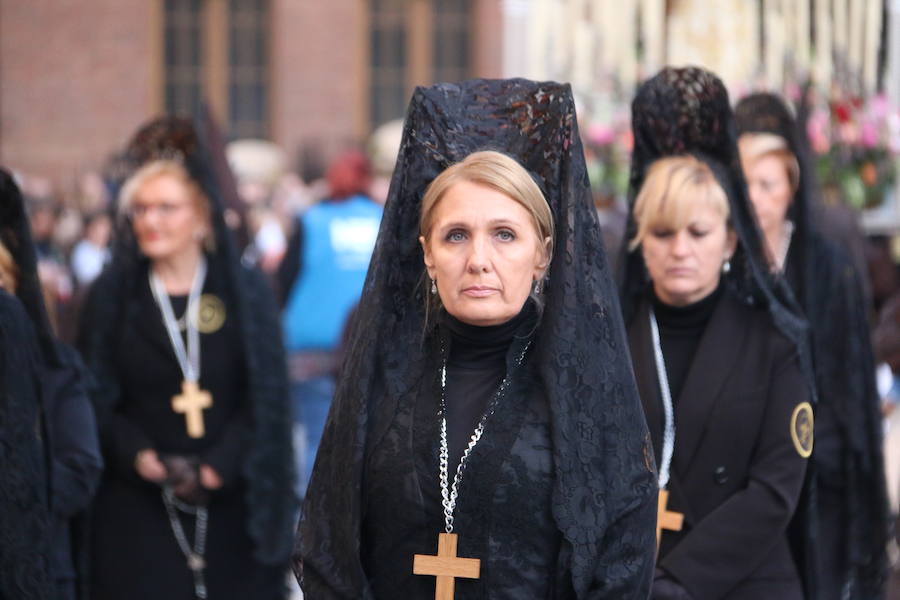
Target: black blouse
(476,365)
(680,330)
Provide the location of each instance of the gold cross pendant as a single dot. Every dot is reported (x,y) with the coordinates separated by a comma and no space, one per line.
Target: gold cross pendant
(666,519)
(446,566)
(191,402)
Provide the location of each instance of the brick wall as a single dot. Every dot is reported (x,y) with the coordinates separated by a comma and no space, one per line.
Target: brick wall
(78,77)
(318,74)
(75,81)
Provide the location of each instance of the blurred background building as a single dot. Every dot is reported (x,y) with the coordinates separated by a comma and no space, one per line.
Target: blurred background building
(77,78)
(313,76)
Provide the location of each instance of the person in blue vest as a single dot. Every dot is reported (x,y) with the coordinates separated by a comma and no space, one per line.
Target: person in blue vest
(321,279)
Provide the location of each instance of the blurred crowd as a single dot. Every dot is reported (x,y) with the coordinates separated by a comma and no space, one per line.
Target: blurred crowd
(73,228)
(315,230)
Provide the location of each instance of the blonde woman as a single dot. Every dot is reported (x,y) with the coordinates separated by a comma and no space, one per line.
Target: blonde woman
(486,417)
(191,402)
(852,499)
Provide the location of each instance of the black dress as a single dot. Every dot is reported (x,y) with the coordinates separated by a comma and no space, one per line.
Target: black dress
(135,554)
(737,472)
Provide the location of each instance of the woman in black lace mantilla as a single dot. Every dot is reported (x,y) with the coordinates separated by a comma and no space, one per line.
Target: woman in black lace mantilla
(208,509)
(557,498)
(852,498)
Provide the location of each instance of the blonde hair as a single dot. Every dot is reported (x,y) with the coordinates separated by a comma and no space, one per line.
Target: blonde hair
(754,146)
(672,186)
(169,168)
(9,271)
(496,171)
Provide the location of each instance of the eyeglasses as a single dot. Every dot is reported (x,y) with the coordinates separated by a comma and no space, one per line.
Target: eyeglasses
(164,209)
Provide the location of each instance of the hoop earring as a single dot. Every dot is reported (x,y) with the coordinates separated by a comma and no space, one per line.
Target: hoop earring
(433,287)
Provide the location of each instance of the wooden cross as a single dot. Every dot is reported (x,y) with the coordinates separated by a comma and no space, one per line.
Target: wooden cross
(666,519)
(446,566)
(191,402)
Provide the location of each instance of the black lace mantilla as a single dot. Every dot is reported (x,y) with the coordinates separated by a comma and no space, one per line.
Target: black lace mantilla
(580,356)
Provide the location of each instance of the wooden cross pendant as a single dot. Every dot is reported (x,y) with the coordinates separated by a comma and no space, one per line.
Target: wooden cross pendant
(666,519)
(446,566)
(191,402)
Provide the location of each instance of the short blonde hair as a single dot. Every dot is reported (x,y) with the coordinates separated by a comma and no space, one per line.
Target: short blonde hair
(672,186)
(168,168)
(754,146)
(9,271)
(496,171)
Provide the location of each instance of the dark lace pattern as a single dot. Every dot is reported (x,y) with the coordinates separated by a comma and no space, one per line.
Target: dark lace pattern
(604,492)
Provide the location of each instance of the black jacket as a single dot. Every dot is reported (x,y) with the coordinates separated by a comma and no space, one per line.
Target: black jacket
(74,454)
(737,473)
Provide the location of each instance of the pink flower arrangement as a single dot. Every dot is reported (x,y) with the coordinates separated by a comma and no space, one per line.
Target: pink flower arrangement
(856,142)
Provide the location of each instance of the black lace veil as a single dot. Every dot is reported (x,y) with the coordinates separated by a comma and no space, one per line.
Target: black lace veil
(267,467)
(766,113)
(603,469)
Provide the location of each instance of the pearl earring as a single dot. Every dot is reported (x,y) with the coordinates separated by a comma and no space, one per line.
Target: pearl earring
(433,287)
(537,286)
(726,266)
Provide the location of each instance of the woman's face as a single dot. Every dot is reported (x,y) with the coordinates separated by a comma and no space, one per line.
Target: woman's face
(484,253)
(166,219)
(685,264)
(770,190)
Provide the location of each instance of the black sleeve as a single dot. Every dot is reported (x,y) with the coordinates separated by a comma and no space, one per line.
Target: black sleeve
(289,269)
(77,463)
(624,568)
(768,501)
(120,438)
(226,455)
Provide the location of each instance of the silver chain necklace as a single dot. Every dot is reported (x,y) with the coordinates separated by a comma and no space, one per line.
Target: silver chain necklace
(449,493)
(196,560)
(188,358)
(669,432)
(189,363)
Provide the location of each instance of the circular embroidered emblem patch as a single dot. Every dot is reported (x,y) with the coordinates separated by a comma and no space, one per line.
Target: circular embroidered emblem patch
(802,429)
(210,314)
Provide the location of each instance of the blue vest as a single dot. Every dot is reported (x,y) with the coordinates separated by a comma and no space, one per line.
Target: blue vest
(338,239)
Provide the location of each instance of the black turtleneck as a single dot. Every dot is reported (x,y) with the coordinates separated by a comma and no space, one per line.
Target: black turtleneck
(680,330)
(475,368)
